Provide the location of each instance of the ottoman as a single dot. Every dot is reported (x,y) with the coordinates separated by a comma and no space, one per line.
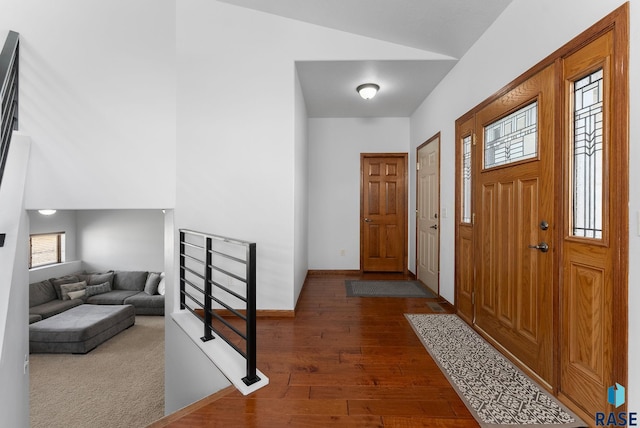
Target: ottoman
(80,329)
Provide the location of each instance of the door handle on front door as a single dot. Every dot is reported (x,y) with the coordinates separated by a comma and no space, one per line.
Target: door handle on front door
(435,226)
(368,220)
(543,246)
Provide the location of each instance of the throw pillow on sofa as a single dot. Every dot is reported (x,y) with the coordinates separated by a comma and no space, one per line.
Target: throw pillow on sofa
(57,282)
(151,286)
(77,294)
(93,290)
(66,288)
(161,284)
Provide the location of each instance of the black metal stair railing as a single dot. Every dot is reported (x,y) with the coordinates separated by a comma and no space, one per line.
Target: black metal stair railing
(9,61)
(217,276)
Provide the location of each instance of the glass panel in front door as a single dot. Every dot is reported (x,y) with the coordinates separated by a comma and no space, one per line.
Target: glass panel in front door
(587,172)
(512,138)
(466,179)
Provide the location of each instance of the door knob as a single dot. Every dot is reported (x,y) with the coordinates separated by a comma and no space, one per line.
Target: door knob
(435,226)
(368,220)
(543,246)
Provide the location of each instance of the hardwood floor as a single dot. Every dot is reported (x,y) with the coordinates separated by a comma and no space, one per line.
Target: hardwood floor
(342,361)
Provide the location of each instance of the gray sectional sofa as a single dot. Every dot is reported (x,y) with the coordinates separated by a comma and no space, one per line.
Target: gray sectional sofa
(56,295)
(77,312)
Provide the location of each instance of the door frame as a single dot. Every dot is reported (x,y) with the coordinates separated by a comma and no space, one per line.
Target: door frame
(426,143)
(405,252)
(618,23)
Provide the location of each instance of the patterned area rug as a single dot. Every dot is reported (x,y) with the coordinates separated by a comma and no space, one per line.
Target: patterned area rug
(496,392)
(363,288)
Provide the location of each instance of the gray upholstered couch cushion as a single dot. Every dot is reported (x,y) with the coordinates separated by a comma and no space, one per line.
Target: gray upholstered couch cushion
(34,318)
(41,292)
(114,297)
(79,329)
(129,280)
(146,304)
(54,307)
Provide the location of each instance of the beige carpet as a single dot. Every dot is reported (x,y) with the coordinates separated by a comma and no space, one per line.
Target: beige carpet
(118,384)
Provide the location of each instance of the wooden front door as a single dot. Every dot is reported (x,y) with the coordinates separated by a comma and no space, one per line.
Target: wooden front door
(427,214)
(560,314)
(383,209)
(514,231)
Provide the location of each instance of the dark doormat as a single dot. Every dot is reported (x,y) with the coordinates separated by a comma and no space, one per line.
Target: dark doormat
(378,288)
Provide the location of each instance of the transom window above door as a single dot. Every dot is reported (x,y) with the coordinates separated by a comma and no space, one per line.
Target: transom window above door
(513,138)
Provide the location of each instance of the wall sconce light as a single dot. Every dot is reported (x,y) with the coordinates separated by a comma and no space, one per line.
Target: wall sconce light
(47,212)
(368,90)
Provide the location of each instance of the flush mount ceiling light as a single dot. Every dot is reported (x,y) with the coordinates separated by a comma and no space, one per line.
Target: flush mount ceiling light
(368,90)
(47,212)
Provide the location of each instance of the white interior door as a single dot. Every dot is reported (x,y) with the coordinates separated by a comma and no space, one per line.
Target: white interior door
(428,208)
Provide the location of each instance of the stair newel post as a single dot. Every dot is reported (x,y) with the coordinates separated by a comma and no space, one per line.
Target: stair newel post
(208,334)
(251,316)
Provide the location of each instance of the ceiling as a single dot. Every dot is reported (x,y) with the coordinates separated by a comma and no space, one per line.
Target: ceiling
(446,27)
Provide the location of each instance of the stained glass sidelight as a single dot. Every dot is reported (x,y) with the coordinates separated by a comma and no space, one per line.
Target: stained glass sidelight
(512,138)
(587,156)
(466,179)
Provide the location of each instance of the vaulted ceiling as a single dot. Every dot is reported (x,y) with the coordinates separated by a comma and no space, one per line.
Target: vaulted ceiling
(446,27)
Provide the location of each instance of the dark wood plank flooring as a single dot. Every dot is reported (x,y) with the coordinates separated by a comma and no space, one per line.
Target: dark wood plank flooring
(342,361)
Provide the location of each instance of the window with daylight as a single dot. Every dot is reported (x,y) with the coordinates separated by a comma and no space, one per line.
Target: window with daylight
(466,179)
(512,138)
(46,249)
(587,171)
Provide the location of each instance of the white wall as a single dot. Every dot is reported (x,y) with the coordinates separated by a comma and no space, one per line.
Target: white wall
(103,240)
(188,366)
(121,240)
(236,158)
(14,262)
(335,145)
(61,221)
(300,193)
(14,351)
(548,25)
(97,97)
